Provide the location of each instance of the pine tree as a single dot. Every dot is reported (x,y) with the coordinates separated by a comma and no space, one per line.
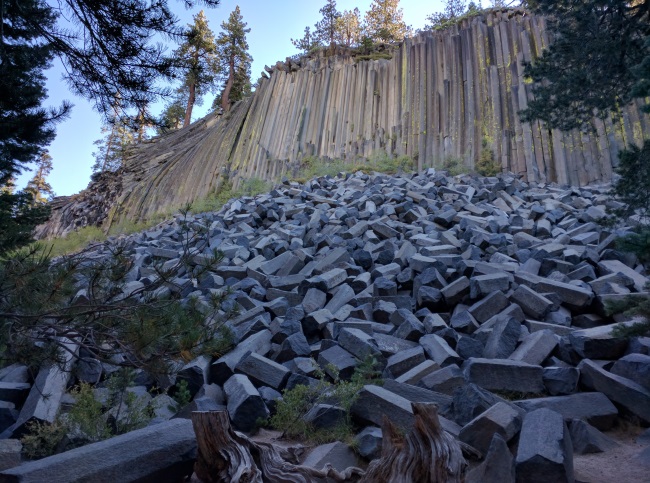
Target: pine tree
(172,116)
(38,186)
(326,28)
(598,60)
(197,57)
(232,49)
(25,126)
(110,47)
(384,21)
(453,10)
(307,42)
(113,148)
(348,28)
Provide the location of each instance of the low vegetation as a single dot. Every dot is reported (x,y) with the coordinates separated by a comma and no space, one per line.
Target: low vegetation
(454,166)
(214,201)
(297,402)
(90,420)
(487,165)
(312,167)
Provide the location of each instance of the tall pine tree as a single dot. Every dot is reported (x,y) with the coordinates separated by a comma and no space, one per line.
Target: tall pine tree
(348,28)
(197,57)
(25,126)
(326,27)
(308,41)
(234,58)
(38,187)
(113,148)
(384,21)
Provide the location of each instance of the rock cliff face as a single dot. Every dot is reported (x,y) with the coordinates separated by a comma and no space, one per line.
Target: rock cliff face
(440,96)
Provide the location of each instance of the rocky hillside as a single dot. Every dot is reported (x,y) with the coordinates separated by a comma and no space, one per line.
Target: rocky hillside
(441,96)
(483,296)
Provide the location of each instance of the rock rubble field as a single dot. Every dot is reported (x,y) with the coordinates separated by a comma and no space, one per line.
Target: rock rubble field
(484,296)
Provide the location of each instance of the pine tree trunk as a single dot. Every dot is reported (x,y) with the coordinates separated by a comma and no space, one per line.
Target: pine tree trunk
(427,454)
(190,105)
(225,96)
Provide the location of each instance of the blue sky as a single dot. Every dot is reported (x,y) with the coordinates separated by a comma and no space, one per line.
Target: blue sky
(272,26)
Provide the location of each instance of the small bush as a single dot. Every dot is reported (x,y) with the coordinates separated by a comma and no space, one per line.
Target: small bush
(43,439)
(86,417)
(374,56)
(182,396)
(633,186)
(487,165)
(637,243)
(297,402)
(453,165)
(384,163)
(87,422)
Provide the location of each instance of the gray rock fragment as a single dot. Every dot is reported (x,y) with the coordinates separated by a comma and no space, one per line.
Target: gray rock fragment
(245,405)
(545,452)
(587,439)
(504,375)
(500,419)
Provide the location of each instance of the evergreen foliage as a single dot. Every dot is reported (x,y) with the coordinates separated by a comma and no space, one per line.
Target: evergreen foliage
(25,126)
(112,149)
(598,60)
(198,61)
(349,28)
(44,303)
(308,41)
(172,116)
(110,48)
(384,21)
(38,187)
(454,11)
(633,186)
(234,59)
(327,26)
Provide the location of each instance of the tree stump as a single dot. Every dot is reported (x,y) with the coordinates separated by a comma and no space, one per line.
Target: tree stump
(427,454)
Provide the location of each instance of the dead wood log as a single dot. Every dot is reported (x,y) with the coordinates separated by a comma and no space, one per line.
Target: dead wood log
(427,454)
(227,456)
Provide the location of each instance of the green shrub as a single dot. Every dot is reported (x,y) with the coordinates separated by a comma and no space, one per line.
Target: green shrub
(637,243)
(297,402)
(374,56)
(382,162)
(43,439)
(182,396)
(86,418)
(487,165)
(633,186)
(87,421)
(452,165)
(128,411)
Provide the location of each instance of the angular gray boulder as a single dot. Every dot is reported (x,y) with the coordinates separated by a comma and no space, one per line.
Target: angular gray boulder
(245,404)
(545,452)
(165,451)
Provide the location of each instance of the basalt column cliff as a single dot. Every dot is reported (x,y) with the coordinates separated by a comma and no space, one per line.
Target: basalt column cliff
(440,96)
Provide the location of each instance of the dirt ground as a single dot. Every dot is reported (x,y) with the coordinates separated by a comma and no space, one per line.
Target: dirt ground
(628,463)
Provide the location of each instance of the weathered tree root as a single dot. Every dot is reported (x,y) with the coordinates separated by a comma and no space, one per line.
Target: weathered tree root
(427,454)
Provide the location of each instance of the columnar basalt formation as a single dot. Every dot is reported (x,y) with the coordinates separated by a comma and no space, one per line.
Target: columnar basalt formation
(441,95)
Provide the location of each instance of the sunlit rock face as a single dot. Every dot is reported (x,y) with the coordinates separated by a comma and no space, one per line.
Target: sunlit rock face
(442,95)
